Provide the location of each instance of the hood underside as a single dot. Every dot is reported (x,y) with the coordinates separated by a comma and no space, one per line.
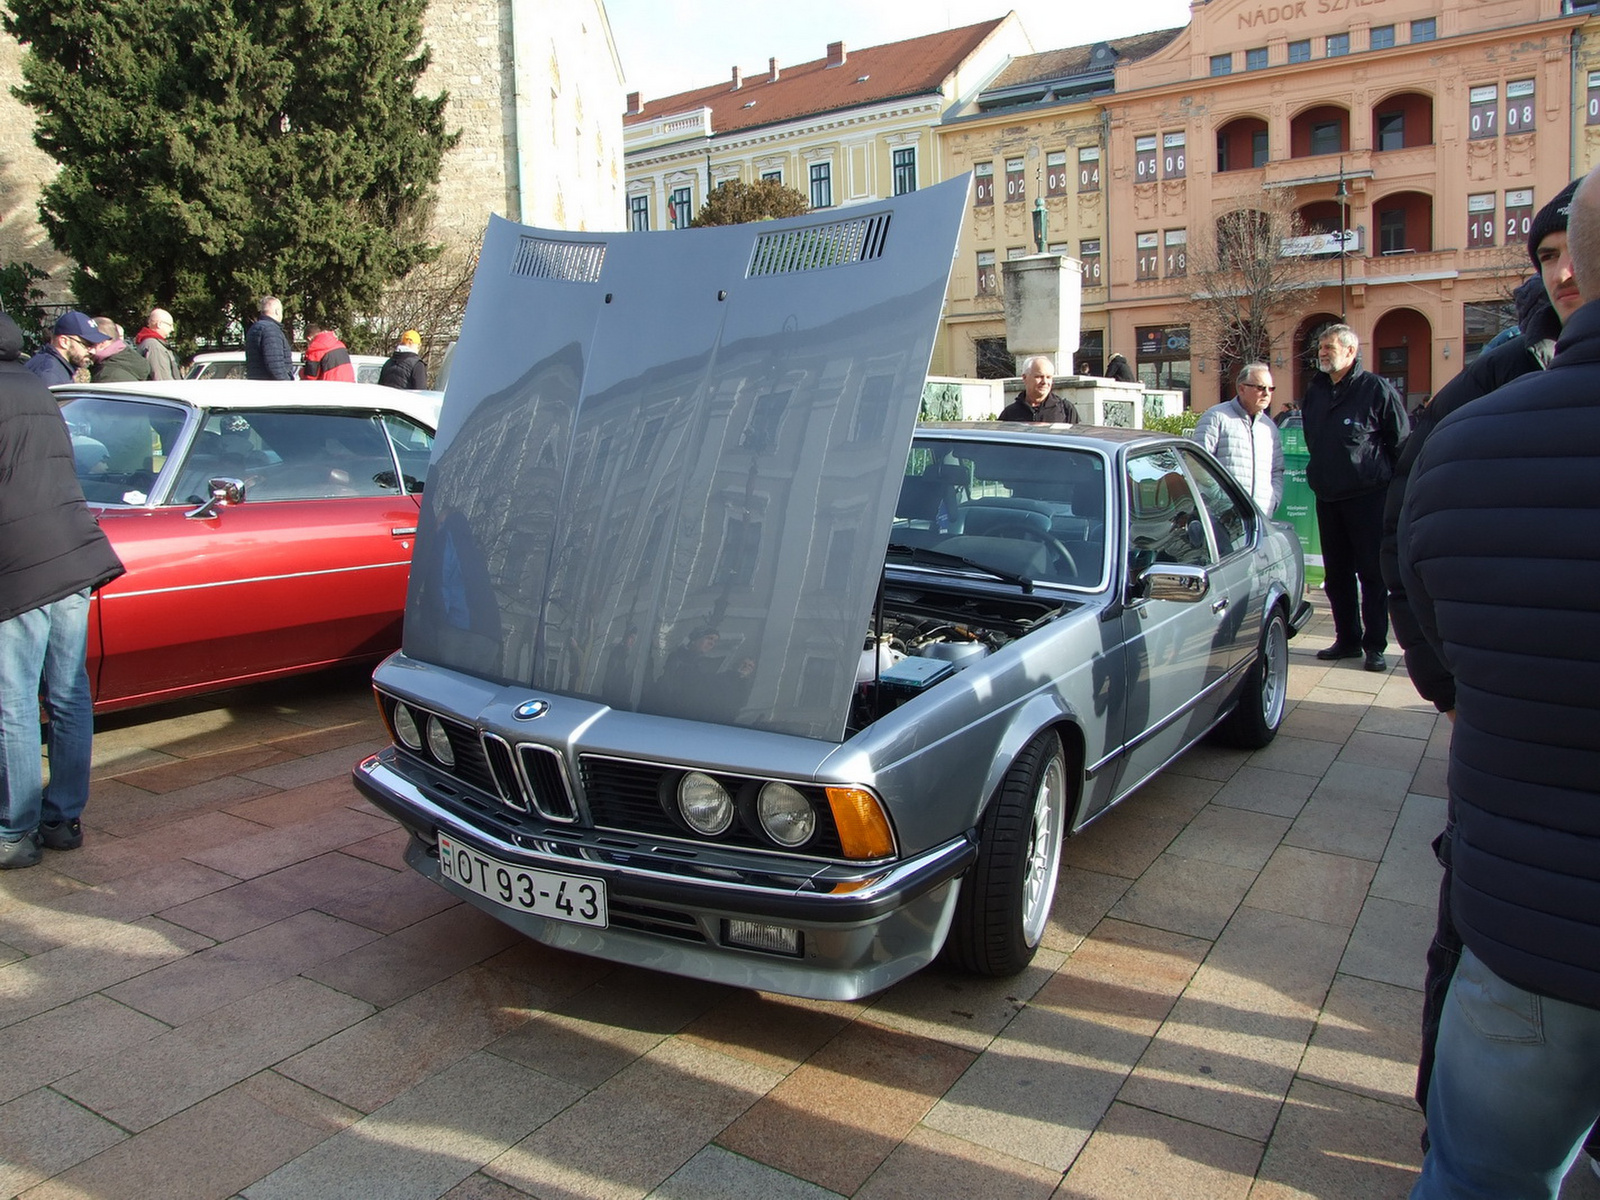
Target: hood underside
(667,463)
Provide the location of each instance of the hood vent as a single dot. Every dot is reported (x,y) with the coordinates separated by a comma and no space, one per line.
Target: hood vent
(858,239)
(545,258)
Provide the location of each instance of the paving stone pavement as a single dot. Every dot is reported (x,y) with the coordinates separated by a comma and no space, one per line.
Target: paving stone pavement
(236,989)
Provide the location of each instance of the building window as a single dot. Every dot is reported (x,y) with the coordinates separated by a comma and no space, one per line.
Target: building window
(1483,112)
(1173,154)
(1391,131)
(1177,252)
(822,185)
(1089,256)
(1258,148)
(1594,99)
(1480,324)
(991,359)
(639,213)
(1381,37)
(1338,44)
(1144,158)
(1519,215)
(1015,188)
(1222,64)
(1480,220)
(983,181)
(772,176)
(1325,138)
(1300,51)
(905,170)
(1056,178)
(988,282)
(1089,169)
(1392,230)
(1149,261)
(1519,106)
(680,208)
(1255,60)
(1425,30)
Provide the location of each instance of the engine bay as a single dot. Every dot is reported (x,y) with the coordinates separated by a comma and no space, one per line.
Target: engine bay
(920,636)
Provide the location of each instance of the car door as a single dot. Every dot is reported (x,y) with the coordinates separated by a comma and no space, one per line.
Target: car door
(1175,653)
(309,569)
(1231,524)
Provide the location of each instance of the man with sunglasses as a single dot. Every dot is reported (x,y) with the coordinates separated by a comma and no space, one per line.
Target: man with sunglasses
(1239,434)
(67,350)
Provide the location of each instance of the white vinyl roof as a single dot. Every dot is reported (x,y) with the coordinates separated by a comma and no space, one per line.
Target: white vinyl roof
(422,406)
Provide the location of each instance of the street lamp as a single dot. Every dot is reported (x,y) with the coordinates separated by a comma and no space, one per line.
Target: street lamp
(1344,224)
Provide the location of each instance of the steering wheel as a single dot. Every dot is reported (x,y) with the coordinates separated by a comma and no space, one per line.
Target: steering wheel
(1020,529)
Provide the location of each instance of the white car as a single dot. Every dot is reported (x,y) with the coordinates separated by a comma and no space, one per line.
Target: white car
(229,364)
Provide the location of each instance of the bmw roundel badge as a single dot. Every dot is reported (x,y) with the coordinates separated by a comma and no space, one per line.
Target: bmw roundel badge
(529,709)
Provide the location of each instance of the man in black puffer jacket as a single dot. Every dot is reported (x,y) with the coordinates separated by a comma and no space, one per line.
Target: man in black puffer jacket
(1497,551)
(52,554)
(1543,306)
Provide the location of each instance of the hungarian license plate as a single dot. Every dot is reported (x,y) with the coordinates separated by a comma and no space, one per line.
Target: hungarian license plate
(522,889)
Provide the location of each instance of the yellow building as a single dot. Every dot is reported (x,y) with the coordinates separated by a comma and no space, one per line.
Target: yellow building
(1447,125)
(1036,133)
(849,127)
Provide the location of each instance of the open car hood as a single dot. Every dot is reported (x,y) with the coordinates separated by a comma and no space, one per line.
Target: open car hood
(667,463)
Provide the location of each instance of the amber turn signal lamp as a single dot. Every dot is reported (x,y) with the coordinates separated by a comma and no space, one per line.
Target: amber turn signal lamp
(863,827)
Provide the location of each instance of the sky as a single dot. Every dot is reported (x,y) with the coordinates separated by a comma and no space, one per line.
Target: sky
(670,46)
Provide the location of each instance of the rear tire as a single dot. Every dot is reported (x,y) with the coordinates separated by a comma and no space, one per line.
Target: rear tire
(1257,716)
(1005,898)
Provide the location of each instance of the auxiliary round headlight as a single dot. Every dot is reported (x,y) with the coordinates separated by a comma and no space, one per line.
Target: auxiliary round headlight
(405,727)
(786,815)
(704,803)
(439,743)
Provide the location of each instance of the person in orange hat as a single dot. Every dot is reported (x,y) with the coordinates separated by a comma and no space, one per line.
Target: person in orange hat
(406,367)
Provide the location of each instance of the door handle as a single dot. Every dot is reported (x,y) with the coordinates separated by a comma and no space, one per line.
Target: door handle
(1219,605)
(404,531)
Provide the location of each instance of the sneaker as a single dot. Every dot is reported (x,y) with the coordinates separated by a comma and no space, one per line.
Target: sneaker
(19,852)
(62,835)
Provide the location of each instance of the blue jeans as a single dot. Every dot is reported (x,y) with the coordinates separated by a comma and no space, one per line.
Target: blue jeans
(43,651)
(1516,1087)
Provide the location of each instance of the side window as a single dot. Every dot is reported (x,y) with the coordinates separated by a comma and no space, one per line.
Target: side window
(291,456)
(1223,507)
(1165,521)
(412,447)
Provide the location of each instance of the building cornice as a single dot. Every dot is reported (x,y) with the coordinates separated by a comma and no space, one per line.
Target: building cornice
(745,141)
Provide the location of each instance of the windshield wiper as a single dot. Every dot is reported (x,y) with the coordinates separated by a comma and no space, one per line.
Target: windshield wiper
(938,558)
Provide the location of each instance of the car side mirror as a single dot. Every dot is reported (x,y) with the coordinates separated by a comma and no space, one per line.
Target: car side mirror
(1181,582)
(225,492)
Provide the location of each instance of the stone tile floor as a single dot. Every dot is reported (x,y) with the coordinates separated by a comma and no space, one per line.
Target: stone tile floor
(235,988)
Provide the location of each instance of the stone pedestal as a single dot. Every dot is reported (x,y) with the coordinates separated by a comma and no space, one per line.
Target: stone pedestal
(1043,296)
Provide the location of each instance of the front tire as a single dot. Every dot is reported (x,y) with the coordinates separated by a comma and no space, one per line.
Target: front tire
(1255,719)
(1005,899)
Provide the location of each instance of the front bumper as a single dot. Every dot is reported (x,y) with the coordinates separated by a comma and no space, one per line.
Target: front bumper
(862,928)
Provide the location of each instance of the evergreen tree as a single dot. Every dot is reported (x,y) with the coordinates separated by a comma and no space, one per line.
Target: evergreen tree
(734,202)
(212,151)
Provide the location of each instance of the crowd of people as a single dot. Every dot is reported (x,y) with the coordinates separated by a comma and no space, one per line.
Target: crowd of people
(82,349)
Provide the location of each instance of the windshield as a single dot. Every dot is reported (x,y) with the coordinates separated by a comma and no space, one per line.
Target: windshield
(1037,512)
(120,445)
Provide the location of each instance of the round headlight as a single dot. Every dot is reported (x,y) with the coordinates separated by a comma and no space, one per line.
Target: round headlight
(786,815)
(704,803)
(405,727)
(439,743)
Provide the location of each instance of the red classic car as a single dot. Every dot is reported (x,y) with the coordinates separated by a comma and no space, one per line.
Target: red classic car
(266,527)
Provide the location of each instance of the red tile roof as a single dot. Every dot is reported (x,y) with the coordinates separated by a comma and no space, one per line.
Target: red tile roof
(913,67)
(1075,60)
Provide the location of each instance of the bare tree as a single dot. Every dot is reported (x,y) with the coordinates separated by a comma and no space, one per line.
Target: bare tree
(1252,276)
(431,298)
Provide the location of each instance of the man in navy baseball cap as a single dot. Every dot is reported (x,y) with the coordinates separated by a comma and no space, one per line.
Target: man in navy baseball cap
(67,349)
